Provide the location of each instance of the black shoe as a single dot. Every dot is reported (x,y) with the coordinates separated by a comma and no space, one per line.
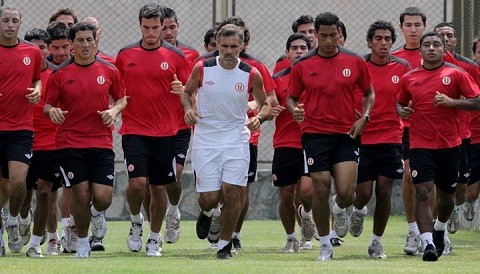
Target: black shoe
(336,241)
(96,244)
(430,254)
(226,252)
(236,243)
(203,226)
(438,241)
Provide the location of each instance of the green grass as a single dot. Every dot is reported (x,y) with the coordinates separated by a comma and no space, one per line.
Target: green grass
(262,242)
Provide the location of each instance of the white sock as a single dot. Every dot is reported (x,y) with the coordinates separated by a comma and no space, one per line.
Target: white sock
(439,225)
(325,240)
(83,240)
(236,235)
(333,234)
(413,227)
(154,235)
(304,214)
(427,239)
(52,235)
(136,218)
(217,211)
(173,210)
(64,226)
(35,241)
(362,211)
(71,221)
(336,209)
(376,238)
(292,236)
(222,244)
(94,211)
(12,220)
(208,213)
(27,220)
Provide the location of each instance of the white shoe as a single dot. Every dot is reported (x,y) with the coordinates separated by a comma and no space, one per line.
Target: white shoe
(15,243)
(34,252)
(25,229)
(341,223)
(134,240)
(453,222)
(412,244)
(54,247)
(448,246)
(154,248)
(326,253)
(308,226)
(469,210)
(305,245)
(375,250)
(99,226)
(83,250)
(356,223)
(291,246)
(172,232)
(72,239)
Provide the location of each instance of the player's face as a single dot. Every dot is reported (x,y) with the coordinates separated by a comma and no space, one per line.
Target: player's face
(476,55)
(170,30)
(43,48)
(9,24)
(212,45)
(412,28)
(309,31)
(151,32)
(67,19)
(60,50)
(327,37)
(84,46)
(229,49)
(381,43)
(449,36)
(298,48)
(432,50)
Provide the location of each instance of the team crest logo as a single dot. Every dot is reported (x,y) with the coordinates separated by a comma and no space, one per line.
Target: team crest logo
(70,175)
(414,173)
(395,79)
(27,61)
(310,161)
(347,72)
(446,80)
(210,83)
(101,80)
(239,87)
(164,65)
(130,168)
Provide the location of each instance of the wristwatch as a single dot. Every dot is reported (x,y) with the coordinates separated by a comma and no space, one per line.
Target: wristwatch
(260,119)
(367,117)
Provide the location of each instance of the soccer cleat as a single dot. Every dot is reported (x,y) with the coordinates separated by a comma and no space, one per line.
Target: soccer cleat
(225,253)
(72,239)
(172,232)
(291,246)
(134,240)
(54,247)
(308,226)
(83,250)
(336,241)
(214,246)
(153,248)
(448,246)
(99,226)
(326,253)
(236,243)
(96,244)
(15,242)
(375,250)
(203,225)
(2,247)
(356,223)
(25,229)
(469,211)
(438,241)
(430,254)
(34,252)
(412,244)
(214,232)
(453,222)
(305,245)
(341,223)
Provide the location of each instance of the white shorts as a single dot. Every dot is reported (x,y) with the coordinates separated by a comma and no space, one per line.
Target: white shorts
(217,165)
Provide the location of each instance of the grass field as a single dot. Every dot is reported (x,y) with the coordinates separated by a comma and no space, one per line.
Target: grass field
(262,243)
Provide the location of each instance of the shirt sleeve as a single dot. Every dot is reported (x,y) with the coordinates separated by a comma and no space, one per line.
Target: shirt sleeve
(295,85)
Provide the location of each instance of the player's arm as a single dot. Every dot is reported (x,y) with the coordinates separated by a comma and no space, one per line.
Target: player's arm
(56,115)
(295,108)
(264,108)
(367,105)
(35,92)
(187,94)
(108,116)
(465,104)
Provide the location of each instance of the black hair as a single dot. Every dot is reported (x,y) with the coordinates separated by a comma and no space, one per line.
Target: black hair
(381,25)
(326,19)
(302,20)
(297,36)
(38,34)
(413,11)
(82,26)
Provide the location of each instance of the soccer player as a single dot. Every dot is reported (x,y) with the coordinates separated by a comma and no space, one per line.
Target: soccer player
(220,150)
(434,135)
(328,78)
(59,48)
(64,15)
(78,99)
(149,123)
(43,173)
(20,86)
(288,166)
(412,24)
(381,148)
(209,40)
(93,21)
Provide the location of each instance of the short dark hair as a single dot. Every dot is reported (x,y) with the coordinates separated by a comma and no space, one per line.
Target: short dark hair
(342,27)
(58,30)
(63,11)
(302,20)
(444,24)
(413,11)
(82,26)
(12,8)
(326,19)
(38,34)
(150,11)
(230,30)
(237,21)
(210,33)
(432,33)
(381,25)
(169,13)
(297,36)
(474,45)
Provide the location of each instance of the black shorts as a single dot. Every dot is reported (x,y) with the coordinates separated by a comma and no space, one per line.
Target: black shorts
(152,157)
(44,166)
(252,166)
(380,160)
(325,150)
(288,166)
(182,141)
(95,165)
(15,146)
(437,165)
(464,168)
(406,143)
(474,163)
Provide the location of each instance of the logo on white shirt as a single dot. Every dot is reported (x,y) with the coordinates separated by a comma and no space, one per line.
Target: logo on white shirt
(446,80)
(27,61)
(164,65)
(346,72)
(395,79)
(239,87)
(101,80)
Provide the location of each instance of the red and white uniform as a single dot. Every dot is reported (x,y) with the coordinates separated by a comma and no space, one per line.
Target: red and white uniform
(329,85)
(435,127)
(152,109)
(20,66)
(82,91)
(44,129)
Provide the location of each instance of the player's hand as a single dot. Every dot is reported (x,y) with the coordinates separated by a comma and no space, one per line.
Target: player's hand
(299,113)
(108,116)
(442,100)
(191,117)
(57,115)
(407,111)
(357,128)
(177,86)
(253,124)
(277,110)
(252,105)
(33,95)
